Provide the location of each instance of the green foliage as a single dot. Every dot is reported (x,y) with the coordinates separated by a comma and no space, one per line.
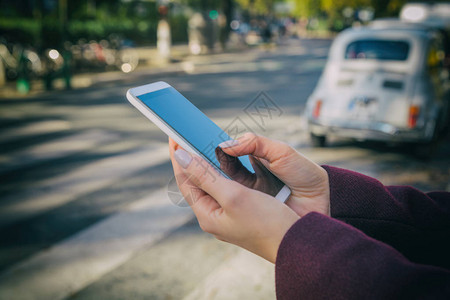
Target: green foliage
(201,4)
(178,26)
(336,6)
(307,8)
(386,8)
(258,7)
(333,8)
(21,29)
(135,20)
(95,30)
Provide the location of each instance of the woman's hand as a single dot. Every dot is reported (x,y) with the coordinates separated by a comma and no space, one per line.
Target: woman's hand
(307,180)
(230,211)
(262,179)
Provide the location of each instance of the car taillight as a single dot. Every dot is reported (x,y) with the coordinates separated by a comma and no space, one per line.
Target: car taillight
(316,111)
(414,111)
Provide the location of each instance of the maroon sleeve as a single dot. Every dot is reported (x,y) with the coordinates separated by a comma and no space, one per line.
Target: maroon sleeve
(324,258)
(415,223)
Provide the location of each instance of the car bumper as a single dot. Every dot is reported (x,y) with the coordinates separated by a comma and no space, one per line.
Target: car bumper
(368,131)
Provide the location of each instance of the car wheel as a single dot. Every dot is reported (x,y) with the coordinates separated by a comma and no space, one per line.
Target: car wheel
(318,140)
(425,151)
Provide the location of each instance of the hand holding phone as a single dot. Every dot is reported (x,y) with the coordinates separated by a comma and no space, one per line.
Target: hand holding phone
(230,211)
(262,179)
(197,134)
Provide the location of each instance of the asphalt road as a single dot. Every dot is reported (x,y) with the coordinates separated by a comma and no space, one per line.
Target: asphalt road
(84,210)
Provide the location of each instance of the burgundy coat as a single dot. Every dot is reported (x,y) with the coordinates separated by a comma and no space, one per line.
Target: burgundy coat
(382,242)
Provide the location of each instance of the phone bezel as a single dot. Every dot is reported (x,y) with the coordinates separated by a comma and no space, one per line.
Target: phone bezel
(132,96)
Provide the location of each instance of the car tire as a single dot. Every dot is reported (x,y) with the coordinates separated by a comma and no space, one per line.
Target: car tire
(318,140)
(425,151)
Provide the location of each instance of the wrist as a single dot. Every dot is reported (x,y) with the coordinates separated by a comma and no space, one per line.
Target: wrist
(289,220)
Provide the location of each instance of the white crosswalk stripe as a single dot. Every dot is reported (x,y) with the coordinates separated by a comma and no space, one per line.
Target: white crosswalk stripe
(54,149)
(66,187)
(83,258)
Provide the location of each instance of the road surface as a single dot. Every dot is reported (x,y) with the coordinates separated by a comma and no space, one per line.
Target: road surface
(85,212)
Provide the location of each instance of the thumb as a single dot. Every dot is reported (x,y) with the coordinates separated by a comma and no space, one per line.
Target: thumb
(258,146)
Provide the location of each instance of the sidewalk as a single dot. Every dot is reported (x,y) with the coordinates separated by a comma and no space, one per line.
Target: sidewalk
(149,62)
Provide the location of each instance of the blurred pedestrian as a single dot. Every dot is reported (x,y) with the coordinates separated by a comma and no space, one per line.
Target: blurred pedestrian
(2,72)
(23,84)
(164,37)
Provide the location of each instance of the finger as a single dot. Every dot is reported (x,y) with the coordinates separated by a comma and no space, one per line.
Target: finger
(258,146)
(203,206)
(204,176)
(180,176)
(233,167)
(190,192)
(259,167)
(173,146)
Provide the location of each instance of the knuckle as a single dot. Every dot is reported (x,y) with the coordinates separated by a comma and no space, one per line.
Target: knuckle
(203,172)
(284,154)
(191,195)
(234,197)
(220,238)
(286,149)
(205,226)
(251,137)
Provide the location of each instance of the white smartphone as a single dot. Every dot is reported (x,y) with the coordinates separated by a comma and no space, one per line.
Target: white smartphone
(196,133)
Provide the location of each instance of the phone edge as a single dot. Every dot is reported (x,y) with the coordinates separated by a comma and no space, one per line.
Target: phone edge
(132,96)
(153,117)
(283,194)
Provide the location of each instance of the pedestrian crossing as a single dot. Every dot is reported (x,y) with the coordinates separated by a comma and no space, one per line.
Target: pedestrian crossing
(35,265)
(79,264)
(67,267)
(54,149)
(73,263)
(64,188)
(133,227)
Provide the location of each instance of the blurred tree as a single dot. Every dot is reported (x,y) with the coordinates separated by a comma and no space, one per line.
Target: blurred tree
(332,8)
(340,13)
(47,22)
(386,8)
(257,7)
(307,8)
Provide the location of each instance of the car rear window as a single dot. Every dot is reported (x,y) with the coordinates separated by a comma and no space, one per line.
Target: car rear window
(378,49)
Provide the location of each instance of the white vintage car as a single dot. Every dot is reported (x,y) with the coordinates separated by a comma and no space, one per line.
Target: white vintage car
(384,82)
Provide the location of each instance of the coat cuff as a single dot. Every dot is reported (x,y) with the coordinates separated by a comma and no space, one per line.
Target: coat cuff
(301,258)
(319,256)
(354,195)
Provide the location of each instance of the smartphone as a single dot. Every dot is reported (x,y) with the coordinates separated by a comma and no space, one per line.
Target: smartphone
(196,133)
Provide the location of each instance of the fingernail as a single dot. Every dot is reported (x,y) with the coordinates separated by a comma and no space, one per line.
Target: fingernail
(183,158)
(229,143)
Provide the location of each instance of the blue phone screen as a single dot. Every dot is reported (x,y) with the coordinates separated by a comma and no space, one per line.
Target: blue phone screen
(189,122)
